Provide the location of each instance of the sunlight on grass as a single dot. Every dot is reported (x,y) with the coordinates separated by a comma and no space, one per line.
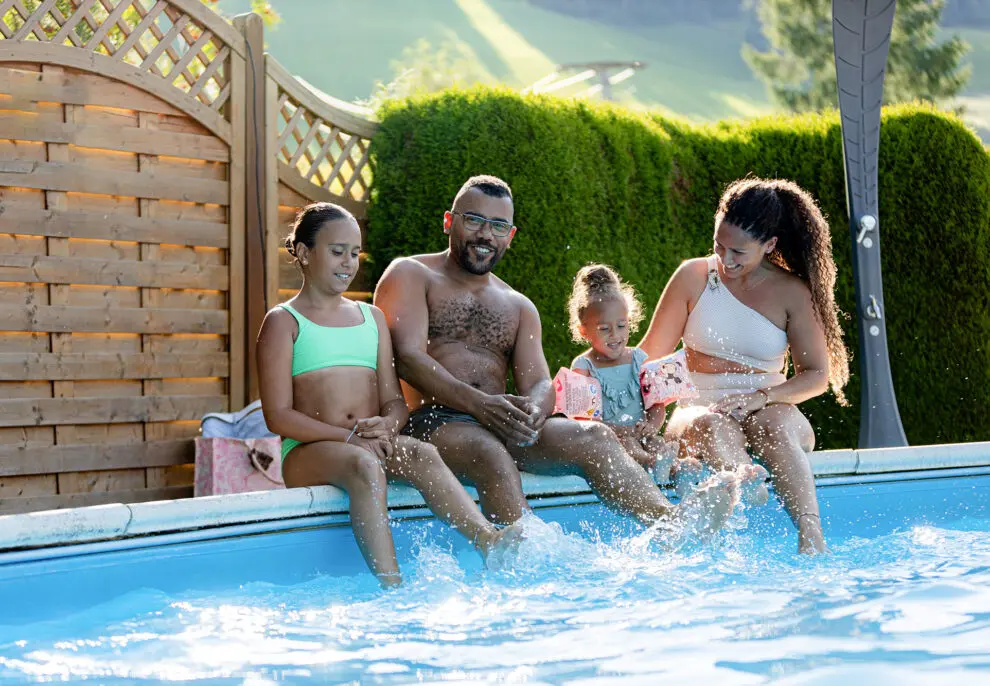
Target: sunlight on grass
(525,61)
(745,107)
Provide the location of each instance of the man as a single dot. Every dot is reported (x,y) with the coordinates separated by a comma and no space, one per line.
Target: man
(457,329)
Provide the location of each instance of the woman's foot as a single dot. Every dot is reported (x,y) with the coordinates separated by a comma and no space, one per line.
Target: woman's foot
(686,473)
(753,484)
(811,540)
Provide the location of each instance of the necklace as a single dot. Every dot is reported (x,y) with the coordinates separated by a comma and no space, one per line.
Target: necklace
(751,286)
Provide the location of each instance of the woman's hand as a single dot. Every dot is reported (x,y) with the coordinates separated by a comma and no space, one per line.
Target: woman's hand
(740,406)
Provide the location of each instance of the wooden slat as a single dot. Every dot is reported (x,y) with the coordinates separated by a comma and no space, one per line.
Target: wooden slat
(237,257)
(25,487)
(57,176)
(111,226)
(79,366)
(274,232)
(27,127)
(82,270)
(59,411)
(107,72)
(28,87)
(38,503)
(71,319)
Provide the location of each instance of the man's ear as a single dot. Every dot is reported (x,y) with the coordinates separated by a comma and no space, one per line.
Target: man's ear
(448,221)
(511,236)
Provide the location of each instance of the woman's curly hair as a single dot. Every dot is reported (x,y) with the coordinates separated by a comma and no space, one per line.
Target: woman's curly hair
(781,209)
(596,283)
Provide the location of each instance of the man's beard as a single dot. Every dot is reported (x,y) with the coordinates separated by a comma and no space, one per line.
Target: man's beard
(470,265)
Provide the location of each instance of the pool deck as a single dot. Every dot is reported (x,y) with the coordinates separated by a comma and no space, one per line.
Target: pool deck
(120,521)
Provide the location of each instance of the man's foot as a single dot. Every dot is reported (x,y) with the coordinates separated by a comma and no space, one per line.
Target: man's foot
(811,540)
(686,473)
(495,545)
(753,484)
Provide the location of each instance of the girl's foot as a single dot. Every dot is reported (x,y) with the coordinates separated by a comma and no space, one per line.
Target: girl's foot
(499,543)
(665,453)
(686,473)
(811,540)
(753,484)
(704,511)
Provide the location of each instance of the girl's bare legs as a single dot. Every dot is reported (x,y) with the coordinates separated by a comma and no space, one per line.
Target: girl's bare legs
(637,452)
(420,465)
(783,437)
(360,474)
(717,441)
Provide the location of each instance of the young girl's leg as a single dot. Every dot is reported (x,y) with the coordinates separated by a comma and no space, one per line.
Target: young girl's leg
(420,464)
(637,452)
(360,474)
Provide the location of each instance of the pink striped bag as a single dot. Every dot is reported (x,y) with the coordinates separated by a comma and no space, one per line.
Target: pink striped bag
(237,465)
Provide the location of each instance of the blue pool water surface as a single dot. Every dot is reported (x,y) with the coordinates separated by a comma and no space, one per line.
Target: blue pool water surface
(589,599)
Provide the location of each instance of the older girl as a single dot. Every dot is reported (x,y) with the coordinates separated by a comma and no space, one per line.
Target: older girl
(329,388)
(765,293)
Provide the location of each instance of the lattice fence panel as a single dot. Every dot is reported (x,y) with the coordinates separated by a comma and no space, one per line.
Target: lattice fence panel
(322,152)
(156,36)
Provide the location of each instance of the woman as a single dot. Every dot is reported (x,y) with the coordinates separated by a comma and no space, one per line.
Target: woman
(767,291)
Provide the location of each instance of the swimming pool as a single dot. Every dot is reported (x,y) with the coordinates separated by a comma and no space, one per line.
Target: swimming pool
(904,597)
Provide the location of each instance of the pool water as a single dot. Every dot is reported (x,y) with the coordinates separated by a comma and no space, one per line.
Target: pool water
(593,600)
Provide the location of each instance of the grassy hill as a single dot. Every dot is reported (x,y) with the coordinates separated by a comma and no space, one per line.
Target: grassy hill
(344,46)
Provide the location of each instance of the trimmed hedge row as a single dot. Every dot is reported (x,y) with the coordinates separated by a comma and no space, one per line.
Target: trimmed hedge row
(593,182)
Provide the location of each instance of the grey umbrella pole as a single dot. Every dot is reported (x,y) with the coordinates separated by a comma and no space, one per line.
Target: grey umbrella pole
(861,35)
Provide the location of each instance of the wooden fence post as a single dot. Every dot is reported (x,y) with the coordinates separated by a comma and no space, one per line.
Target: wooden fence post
(255,193)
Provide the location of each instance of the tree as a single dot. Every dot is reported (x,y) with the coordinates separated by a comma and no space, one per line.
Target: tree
(799,67)
(424,69)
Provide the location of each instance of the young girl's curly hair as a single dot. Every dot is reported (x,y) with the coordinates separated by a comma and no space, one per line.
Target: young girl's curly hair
(598,283)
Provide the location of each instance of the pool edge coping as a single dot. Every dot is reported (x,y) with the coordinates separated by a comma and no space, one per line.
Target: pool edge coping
(119,520)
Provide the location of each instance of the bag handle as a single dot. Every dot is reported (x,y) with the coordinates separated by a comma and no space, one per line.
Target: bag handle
(257,457)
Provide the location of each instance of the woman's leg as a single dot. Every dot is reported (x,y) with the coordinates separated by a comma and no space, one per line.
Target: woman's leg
(718,441)
(783,437)
(420,464)
(360,474)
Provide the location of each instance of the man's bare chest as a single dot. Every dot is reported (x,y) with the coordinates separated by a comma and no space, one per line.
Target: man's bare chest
(489,323)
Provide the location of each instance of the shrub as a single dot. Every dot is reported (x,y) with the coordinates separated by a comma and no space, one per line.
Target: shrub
(594,182)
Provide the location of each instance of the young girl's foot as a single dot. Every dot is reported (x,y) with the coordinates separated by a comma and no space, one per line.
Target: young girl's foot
(500,543)
(703,511)
(753,484)
(686,473)
(665,453)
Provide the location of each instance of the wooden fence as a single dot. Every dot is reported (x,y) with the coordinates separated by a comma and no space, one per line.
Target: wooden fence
(151,157)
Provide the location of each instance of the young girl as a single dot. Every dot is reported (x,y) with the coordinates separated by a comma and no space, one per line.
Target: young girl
(329,388)
(603,311)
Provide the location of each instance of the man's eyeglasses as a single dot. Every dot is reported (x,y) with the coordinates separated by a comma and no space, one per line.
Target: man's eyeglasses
(474,222)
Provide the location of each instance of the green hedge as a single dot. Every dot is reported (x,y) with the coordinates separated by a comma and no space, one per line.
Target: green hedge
(594,182)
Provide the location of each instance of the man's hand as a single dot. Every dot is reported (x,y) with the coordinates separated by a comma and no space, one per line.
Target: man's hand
(376,427)
(505,419)
(537,417)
